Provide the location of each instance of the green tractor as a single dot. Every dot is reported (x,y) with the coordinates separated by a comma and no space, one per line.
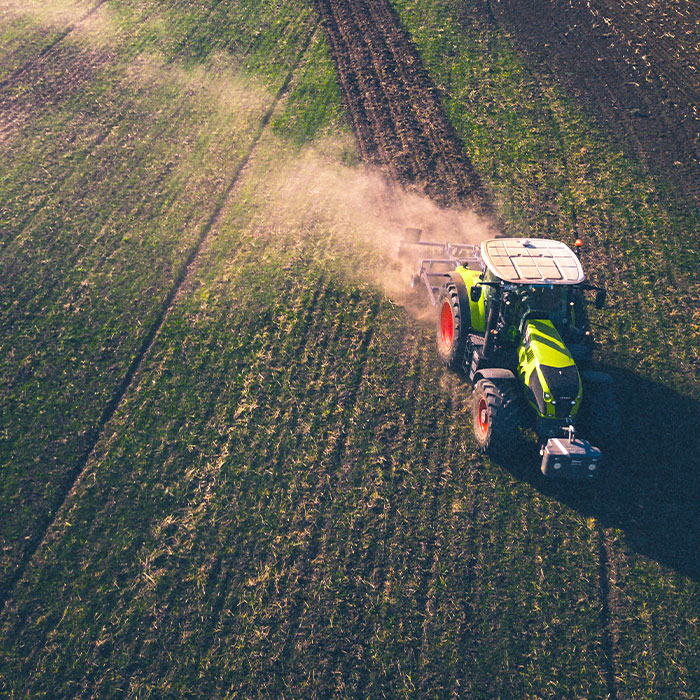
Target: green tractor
(511,317)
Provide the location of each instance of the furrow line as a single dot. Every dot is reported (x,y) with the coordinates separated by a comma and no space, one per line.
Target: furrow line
(328,488)
(359,119)
(148,340)
(458,177)
(380,58)
(607,640)
(383,131)
(413,149)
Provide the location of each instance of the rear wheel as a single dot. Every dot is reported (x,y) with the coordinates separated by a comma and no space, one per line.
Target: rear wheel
(452,328)
(496,416)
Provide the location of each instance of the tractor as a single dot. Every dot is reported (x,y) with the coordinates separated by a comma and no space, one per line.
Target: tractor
(512,318)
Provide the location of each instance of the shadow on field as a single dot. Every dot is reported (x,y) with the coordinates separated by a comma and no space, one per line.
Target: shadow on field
(652,485)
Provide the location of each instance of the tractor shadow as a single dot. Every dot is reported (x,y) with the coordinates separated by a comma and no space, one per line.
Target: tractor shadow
(651,489)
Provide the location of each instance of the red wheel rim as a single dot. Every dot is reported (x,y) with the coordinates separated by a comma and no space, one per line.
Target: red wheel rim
(447,325)
(482,416)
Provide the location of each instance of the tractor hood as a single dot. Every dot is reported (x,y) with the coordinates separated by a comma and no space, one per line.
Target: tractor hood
(548,371)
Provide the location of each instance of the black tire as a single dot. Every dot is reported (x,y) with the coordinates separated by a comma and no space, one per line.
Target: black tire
(452,328)
(599,418)
(496,416)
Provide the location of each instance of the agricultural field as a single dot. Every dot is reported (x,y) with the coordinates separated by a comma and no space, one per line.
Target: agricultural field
(232,464)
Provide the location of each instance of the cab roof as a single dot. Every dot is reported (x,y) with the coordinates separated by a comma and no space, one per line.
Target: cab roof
(532,261)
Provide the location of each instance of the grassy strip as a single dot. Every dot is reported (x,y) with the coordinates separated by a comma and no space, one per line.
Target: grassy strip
(107,191)
(553,172)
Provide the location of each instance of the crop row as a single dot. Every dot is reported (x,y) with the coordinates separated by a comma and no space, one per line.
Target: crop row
(287,503)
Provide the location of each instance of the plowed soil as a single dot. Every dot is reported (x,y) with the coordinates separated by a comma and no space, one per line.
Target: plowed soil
(394,108)
(636,62)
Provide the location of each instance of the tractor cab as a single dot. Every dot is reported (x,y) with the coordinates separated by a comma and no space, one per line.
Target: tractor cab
(536,278)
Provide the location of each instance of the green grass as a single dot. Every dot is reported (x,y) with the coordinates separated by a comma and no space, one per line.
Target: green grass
(106,192)
(287,502)
(283,495)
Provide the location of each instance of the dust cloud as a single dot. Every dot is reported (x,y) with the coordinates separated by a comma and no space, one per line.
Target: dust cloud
(359,209)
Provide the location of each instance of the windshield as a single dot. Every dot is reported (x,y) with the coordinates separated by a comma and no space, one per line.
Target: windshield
(541,301)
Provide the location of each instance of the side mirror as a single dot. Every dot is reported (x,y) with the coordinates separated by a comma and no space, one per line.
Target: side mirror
(600,299)
(475,293)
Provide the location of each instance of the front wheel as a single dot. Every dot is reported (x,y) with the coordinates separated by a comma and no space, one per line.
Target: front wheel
(496,416)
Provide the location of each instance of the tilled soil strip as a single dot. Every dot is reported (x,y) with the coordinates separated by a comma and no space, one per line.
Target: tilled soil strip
(637,65)
(394,107)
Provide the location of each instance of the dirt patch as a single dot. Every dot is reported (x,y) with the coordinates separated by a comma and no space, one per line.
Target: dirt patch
(394,107)
(46,82)
(637,63)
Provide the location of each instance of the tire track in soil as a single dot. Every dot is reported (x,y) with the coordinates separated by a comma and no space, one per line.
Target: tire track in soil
(151,334)
(385,89)
(607,640)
